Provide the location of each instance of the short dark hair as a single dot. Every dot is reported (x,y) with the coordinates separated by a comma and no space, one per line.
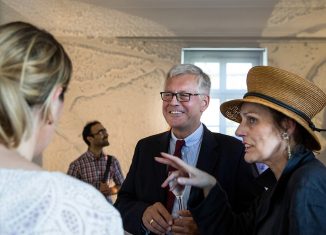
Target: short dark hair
(87,130)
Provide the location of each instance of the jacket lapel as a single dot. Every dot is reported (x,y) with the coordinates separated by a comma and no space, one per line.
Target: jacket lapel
(207,161)
(207,158)
(161,169)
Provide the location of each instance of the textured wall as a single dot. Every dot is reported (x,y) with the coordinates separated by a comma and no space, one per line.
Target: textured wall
(304,57)
(117,80)
(117,83)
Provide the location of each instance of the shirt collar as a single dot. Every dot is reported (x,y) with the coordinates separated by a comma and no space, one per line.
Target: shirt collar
(92,156)
(191,139)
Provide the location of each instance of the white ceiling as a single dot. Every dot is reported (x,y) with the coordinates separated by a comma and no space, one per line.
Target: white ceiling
(216,18)
(226,19)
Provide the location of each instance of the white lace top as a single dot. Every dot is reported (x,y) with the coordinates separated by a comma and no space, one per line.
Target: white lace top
(40,202)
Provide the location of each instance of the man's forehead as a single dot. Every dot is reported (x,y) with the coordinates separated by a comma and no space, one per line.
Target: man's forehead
(183,82)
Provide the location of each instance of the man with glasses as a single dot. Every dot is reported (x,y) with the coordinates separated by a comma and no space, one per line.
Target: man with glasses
(142,202)
(94,166)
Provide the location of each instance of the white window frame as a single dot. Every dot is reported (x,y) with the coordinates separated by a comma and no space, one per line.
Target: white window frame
(256,56)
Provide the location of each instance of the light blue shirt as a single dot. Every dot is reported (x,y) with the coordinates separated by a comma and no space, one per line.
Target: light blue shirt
(189,154)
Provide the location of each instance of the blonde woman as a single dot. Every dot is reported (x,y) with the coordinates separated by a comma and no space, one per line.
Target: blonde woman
(275,124)
(34,74)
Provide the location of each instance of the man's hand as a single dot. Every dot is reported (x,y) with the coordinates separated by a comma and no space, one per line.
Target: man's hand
(104,189)
(109,191)
(157,219)
(114,190)
(185,224)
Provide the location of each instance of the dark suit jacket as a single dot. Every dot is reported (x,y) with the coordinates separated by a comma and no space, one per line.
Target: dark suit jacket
(220,156)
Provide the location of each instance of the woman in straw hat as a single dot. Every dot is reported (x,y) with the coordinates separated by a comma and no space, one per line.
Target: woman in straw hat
(275,124)
(34,74)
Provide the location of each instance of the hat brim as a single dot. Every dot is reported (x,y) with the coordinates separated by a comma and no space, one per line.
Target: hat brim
(231,110)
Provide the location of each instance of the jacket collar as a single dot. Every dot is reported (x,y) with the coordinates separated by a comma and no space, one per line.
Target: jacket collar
(300,157)
(206,158)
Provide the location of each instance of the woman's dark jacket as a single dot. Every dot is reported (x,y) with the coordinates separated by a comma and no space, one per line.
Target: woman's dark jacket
(296,205)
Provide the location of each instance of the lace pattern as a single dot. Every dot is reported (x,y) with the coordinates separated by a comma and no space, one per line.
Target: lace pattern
(53,203)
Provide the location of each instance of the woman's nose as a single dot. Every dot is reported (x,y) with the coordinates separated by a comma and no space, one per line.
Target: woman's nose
(239,131)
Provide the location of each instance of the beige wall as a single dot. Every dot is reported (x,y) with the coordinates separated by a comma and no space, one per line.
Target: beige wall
(118,73)
(309,60)
(119,85)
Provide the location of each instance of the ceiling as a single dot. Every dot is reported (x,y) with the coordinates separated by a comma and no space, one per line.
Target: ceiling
(219,18)
(199,17)
(228,19)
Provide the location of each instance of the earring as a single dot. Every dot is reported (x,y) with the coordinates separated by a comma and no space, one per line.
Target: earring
(286,137)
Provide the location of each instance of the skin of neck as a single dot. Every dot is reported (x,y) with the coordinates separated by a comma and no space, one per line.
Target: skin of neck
(27,146)
(11,159)
(278,167)
(279,162)
(95,150)
(184,133)
(21,157)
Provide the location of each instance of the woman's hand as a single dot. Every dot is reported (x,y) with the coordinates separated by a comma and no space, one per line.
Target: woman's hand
(186,174)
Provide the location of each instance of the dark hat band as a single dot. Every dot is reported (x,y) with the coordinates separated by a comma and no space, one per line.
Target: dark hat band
(288,107)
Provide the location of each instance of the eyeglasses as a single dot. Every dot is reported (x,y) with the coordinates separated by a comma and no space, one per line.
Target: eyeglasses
(181,97)
(100,132)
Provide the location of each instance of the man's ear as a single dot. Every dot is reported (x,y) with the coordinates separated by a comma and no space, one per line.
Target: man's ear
(89,138)
(205,102)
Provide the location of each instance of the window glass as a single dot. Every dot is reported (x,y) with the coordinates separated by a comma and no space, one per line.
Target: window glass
(213,71)
(227,68)
(211,114)
(236,74)
(231,127)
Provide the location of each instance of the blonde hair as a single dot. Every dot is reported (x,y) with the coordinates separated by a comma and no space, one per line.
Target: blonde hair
(32,64)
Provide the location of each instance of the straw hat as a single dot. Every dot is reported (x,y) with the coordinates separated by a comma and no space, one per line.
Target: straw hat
(285,92)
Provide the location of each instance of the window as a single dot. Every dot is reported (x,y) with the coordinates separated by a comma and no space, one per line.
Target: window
(227,69)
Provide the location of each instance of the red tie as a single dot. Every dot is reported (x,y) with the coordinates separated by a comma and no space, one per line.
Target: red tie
(177,153)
